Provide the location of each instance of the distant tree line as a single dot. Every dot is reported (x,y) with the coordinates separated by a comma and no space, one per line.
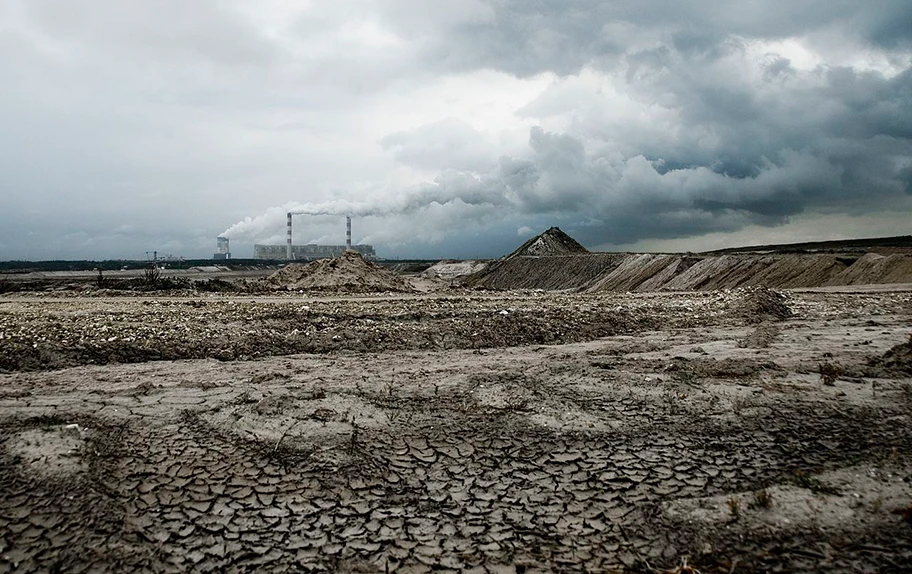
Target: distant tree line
(115,264)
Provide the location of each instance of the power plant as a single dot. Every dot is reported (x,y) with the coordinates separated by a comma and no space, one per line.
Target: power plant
(311,251)
(222,251)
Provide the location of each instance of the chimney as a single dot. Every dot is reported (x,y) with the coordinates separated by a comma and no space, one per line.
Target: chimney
(288,239)
(348,232)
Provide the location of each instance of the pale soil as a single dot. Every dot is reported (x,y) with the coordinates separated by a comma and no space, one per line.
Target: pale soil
(593,453)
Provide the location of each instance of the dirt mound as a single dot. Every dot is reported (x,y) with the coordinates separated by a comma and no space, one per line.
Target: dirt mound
(779,271)
(759,304)
(895,362)
(550,243)
(642,272)
(874,268)
(557,273)
(348,273)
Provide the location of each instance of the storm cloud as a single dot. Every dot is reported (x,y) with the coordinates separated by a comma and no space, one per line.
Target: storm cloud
(447,127)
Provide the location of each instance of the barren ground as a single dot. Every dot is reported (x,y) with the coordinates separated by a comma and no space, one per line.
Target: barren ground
(515,432)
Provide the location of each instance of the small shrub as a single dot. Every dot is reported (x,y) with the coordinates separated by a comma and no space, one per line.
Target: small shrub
(734,506)
(829,372)
(762,499)
(151,274)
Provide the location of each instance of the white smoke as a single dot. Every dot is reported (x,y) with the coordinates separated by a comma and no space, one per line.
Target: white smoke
(448,188)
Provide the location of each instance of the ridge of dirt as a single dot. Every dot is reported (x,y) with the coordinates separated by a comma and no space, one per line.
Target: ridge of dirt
(556,273)
(550,243)
(874,268)
(640,272)
(348,273)
(643,272)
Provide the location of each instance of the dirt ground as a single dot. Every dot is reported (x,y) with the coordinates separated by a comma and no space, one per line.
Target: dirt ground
(727,431)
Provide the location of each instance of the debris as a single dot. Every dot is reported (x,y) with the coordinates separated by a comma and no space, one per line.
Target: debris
(895,362)
(348,273)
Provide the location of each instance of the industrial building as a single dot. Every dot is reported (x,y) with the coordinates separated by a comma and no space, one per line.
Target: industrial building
(311,251)
(222,251)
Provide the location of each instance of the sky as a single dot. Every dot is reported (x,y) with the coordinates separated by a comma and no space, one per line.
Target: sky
(450,129)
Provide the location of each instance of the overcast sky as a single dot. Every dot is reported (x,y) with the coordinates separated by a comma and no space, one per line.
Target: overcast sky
(450,129)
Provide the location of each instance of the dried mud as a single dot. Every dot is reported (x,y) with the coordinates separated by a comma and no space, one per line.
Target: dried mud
(663,428)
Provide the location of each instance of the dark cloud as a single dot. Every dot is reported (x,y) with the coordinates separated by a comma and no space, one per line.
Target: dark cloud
(131,125)
(835,136)
(551,35)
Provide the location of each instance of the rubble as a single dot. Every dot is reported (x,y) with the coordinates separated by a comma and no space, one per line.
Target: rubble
(348,273)
(896,362)
(759,304)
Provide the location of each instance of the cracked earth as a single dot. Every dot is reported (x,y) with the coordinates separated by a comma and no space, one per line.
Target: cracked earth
(652,431)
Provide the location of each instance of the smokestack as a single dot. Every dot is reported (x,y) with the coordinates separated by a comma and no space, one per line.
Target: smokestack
(288,239)
(348,233)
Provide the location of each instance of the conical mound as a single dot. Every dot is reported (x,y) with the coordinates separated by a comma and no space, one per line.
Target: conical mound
(348,273)
(550,243)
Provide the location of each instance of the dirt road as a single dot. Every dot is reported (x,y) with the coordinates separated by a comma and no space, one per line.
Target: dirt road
(443,434)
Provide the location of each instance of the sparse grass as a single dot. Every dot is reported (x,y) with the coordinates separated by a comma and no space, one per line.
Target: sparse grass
(353,439)
(674,402)
(243,399)
(517,404)
(734,507)
(465,404)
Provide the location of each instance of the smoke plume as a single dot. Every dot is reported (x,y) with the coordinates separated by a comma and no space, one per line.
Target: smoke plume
(448,188)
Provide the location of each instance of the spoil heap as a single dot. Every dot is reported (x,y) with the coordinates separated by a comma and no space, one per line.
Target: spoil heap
(554,261)
(551,243)
(551,261)
(759,304)
(348,273)
(875,268)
